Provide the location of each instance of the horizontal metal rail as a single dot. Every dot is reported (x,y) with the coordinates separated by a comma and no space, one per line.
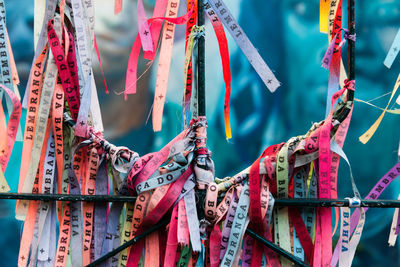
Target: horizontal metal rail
(303,202)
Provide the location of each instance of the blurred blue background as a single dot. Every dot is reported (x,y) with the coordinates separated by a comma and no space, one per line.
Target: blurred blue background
(286,33)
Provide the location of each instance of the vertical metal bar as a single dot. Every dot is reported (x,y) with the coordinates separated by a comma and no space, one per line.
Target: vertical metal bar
(351,44)
(351,53)
(201,62)
(351,49)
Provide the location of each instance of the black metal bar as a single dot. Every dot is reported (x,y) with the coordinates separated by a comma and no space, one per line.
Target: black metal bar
(62,197)
(312,202)
(350,58)
(305,202)
(127,244)
(351,46)
(277,249)
(351,43)
(201,91)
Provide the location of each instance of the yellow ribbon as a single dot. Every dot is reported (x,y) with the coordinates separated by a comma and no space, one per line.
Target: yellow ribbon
(370,132)
(323,15)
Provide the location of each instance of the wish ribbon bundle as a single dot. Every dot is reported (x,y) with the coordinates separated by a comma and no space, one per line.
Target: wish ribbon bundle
(147,39)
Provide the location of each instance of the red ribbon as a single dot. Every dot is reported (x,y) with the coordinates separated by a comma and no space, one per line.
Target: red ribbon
(157,213)
(131,73)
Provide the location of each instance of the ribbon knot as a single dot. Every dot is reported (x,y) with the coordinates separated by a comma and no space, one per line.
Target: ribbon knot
(201,151)
(326,61)
(354,202)
(346,36)
(349,84)
(349,36)
(197,31)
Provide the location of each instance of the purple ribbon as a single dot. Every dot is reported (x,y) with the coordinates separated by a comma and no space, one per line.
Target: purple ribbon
(112,232)
(397,225)
(378,189)
(100,216)
(226,230)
